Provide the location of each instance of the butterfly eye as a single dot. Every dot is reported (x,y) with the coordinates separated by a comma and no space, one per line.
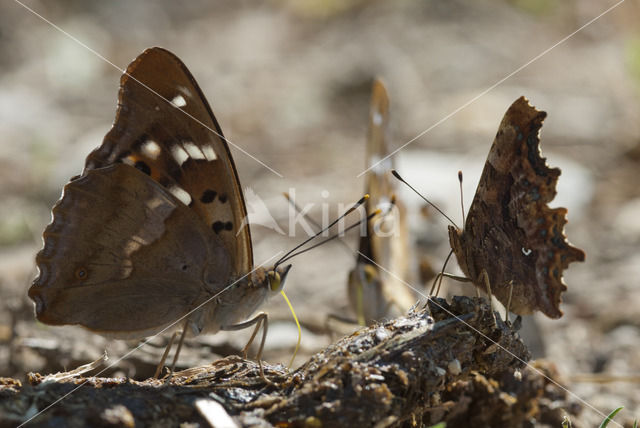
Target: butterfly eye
(81,273)
(274,280)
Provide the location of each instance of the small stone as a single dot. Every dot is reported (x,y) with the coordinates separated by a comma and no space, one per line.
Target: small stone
(454,367)
(118,415)
(381,334)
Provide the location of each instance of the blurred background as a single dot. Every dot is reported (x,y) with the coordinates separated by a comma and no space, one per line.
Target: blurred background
(289,82)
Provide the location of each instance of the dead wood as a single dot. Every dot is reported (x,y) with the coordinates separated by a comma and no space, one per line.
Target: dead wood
(399,373)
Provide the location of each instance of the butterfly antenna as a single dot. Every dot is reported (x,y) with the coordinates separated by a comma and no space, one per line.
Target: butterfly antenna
(311,220)
(358,223)
(461,198)
(306,241)
(396,175)
(331,238)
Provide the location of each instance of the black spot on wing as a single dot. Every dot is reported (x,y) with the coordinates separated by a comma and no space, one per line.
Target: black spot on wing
(142,166)
(219,226)
(208,196)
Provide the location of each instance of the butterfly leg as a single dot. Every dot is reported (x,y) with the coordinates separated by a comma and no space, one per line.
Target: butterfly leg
(260,320)
(180,342)
(178,349)
(440,275)
(484,276)
(517,323)
(164,355)
(506,313)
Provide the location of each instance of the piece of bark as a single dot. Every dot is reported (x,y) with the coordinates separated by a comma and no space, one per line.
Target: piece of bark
(389,374)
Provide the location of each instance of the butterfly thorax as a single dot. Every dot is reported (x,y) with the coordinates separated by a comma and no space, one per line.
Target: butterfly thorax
(456,238)
(239,300)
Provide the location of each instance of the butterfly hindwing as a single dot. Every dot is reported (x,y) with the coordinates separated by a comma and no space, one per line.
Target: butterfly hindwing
(118,266)
(510,230)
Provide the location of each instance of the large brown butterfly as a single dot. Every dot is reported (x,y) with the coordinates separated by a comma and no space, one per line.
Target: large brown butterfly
(151,229)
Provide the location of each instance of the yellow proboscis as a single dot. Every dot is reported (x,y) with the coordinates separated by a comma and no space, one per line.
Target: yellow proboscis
(299,329)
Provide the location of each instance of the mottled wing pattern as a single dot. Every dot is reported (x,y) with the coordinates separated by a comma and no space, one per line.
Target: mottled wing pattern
(510,230)
(165,128)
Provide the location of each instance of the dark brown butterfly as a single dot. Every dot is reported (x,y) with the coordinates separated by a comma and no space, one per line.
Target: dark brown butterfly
(510,231)
(151,229)
(512,240)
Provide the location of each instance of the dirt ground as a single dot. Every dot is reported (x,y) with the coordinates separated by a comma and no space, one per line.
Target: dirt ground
(289,81)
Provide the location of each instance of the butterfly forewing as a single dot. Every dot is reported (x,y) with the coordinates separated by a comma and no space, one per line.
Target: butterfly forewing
(165,128)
